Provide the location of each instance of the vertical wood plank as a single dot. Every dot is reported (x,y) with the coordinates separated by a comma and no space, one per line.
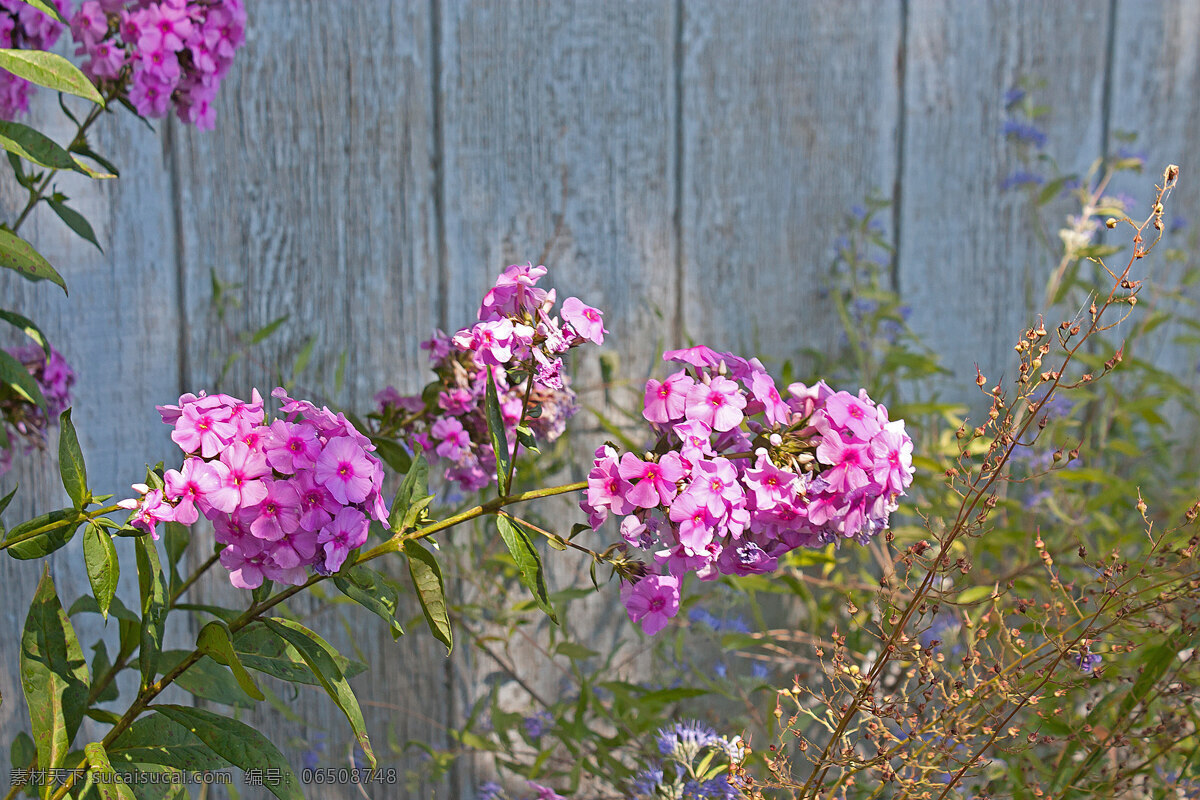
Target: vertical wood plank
(117,328)
(316,193)
(558,126)
(1155,83)
(970,264)
(789,119)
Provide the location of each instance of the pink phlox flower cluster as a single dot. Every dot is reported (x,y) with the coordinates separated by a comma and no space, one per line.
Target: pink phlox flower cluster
(519,339)
(23,419)
(284,495)
(739,476)
(24,27)
(161,52)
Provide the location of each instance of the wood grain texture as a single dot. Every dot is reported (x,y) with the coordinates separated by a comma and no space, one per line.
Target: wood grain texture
(117,330)
(315,193)
(1155,83)
(969,263)
(558,127)
(789,119)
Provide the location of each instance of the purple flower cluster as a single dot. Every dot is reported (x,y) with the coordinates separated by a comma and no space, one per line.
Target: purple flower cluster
(161,52)
(283,495)
(681,744)
(519,340)
(24,27)
(54,377)
(739,476)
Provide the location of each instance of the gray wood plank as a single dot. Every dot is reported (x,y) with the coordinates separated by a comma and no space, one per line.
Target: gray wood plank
(1155,83)
(315,193)
(970,265)
(118,330)
(789,119)
(558,122)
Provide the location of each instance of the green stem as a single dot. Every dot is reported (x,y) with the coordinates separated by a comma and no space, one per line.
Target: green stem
(195,576)
(512,461)
(37,194)
(83,517)
(146,695)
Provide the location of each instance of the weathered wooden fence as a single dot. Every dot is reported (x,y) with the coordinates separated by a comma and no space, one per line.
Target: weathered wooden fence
(682,163)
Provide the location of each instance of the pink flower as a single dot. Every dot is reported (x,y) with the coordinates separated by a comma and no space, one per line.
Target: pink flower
(652,601)
(205,430)
(655,479)
(455,440)
(347,531)
(317,505)
(665,402)
(149,511)
(245,569)
(290,447)
(190,487)
(239,471)
(697,524)
(718,405)
(892,452)
(854,414)
(279,512)
(586,321)
(345,470)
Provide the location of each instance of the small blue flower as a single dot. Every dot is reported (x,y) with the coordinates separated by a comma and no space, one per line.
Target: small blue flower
(1020,178)
(1024,132)
(759,670)
(683,740)
(1013,96)
(1087,661)
(537,724)
(720,670)
(489,790)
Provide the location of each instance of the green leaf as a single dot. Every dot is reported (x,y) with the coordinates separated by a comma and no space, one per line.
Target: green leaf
(4,501)
(103,568)
(427,578)
(101,665)
(495,422)
(50,70)
(70,462)
(206,679)
(33,146)
(101,775)
(81,166)
(155,739)
(414,487)
(517,540)
(262,650)
(265,331)
(28,327)
(238,743)
(46,8)
(319,656)
(62,525)
(18,254)
(216,642)
(75,221)
(374,591)
(22,752)
(83,150)
(14,374)
(152,590)
(54,675)
(573,650)
(392,454)
(86,604)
